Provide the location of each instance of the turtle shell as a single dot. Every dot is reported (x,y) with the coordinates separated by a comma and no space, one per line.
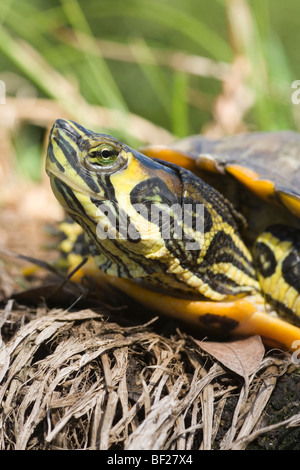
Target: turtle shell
(266,163)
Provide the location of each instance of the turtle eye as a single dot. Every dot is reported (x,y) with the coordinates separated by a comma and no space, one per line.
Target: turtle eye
(103,155)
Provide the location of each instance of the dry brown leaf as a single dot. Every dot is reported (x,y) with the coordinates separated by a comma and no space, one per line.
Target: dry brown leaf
(242,356)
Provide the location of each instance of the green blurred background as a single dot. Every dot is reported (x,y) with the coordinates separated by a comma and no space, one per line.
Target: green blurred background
(144,70)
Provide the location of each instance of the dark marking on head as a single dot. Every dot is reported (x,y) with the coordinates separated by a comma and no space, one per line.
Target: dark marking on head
(152,191)
(53,159)
(291,269)
(264,259)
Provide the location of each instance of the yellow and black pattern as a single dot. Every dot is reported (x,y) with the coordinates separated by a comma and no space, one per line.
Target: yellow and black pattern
(277,259)
(112,191)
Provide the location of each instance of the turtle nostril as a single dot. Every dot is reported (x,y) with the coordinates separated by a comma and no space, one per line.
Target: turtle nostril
(62,128)
(63,124)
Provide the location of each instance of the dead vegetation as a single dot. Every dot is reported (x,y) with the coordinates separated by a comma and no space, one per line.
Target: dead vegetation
(75,380)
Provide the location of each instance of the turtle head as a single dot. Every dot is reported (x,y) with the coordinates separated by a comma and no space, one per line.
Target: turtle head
(99,167)
(77,157)
(102,183)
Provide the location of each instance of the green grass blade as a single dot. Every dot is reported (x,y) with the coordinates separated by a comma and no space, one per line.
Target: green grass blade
(180,105)
(104,83)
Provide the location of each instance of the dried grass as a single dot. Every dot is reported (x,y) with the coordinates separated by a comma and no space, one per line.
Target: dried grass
(78,381)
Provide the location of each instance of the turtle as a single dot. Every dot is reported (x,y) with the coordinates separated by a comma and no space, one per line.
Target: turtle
(207,231)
